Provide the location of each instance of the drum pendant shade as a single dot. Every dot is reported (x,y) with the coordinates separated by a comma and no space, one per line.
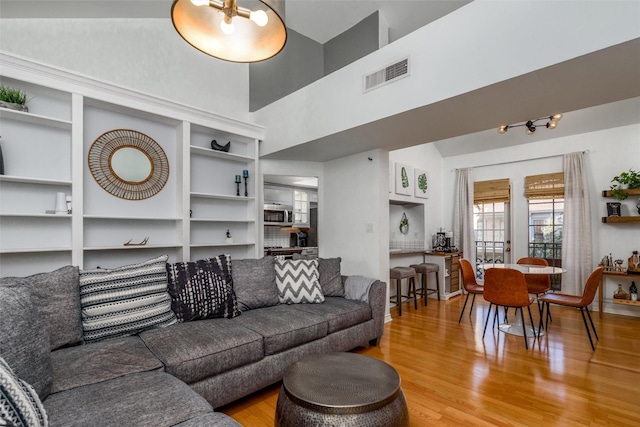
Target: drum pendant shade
(200,26)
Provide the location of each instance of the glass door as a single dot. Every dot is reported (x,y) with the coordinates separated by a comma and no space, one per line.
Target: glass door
(491,226)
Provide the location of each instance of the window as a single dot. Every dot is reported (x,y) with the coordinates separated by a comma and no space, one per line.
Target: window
(300,207)
(545,194)
(490,203)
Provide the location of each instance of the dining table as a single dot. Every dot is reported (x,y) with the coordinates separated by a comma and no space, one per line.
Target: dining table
(517,327)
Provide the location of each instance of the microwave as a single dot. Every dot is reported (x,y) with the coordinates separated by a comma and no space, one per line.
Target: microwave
(276,214)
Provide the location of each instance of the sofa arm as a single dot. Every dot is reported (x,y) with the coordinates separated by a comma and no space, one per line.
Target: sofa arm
(376,298)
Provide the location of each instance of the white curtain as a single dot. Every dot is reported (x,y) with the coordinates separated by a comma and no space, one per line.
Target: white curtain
(463,234)
(576,230)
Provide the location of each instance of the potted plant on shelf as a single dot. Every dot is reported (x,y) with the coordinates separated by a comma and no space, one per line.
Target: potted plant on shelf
(12,98)
(625,181)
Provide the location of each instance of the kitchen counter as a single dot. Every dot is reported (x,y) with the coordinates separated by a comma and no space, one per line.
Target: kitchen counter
(405,252)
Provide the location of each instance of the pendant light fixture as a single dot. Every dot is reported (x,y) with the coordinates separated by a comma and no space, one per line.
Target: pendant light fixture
(552,122)
(225,30)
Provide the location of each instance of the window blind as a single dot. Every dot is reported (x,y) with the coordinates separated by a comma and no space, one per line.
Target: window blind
(545,186)
(493,191)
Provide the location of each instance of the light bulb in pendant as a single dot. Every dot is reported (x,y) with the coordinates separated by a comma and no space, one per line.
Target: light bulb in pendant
(259,17)
(227,28)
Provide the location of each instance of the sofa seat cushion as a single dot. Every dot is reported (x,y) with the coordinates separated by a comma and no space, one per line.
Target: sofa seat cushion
(195,350)
(282,327)
(57,298)
(105,360)
(145,399)
(212,419)
(340,313)
(24,342)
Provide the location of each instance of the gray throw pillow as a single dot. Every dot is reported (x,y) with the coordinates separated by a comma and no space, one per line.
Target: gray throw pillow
(254,282)
(56,296)
(24,342)
(330,276)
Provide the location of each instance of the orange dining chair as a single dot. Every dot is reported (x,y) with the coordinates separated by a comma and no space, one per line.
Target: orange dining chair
(576,301)
(469,284)
(537,284)
(507,287)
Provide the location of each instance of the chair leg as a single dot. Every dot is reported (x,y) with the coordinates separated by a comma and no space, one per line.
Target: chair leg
(463,307)
(541,317)
(473,300)
(438,284)
(524,327)
(487,321)
(399,296)
(424,289)
(592,325)
(533,326)
(548,316)
(584,319)
(415,296)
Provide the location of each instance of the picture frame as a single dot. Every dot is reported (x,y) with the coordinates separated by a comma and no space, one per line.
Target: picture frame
(403,179)
(421,183)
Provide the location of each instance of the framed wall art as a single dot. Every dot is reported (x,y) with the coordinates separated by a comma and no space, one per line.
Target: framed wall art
(421,183)
(404,181)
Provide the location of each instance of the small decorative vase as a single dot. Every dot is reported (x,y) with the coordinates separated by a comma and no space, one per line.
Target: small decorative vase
(620,293)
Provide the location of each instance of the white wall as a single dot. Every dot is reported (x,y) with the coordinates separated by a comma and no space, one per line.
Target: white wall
(610,151)
(146,55)
(355,195)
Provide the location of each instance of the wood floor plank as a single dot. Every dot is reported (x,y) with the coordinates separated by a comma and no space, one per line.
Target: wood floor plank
(452,377)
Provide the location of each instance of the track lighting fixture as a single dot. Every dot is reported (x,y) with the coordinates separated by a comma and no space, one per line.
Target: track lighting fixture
(552,122)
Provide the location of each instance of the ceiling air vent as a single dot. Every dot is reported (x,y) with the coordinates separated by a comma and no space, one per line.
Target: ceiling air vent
(386,75)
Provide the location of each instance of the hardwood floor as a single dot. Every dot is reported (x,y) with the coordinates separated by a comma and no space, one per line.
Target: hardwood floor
(451,377)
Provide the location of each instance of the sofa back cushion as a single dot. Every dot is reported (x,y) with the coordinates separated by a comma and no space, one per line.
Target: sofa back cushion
(202,289)
(125,300)
(254,282)
(24,342)
(56,296)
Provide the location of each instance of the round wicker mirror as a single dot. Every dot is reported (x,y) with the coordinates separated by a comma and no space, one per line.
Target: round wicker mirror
(128,164)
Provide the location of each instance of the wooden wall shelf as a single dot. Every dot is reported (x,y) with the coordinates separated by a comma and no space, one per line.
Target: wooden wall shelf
(620,219)
(632,192)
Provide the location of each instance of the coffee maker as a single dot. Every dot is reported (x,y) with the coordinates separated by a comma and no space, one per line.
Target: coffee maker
(298,239)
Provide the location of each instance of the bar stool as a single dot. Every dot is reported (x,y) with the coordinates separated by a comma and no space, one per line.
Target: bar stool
(424,269)
(397,274)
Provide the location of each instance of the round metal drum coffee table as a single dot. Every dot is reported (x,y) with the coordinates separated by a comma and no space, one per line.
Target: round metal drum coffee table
(341,389)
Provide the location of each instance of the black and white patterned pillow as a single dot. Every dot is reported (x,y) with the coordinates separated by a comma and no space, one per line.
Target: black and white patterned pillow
(125,300)
(202,289)
(20,405)
(297,281)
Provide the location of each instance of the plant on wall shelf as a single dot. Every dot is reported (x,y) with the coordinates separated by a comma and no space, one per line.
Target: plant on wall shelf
(624,181)
(13,98)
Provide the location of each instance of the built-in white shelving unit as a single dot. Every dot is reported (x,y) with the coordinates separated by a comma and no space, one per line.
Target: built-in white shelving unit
(45,152)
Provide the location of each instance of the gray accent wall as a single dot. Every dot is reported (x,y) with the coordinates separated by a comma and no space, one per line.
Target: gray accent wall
(303,61)
(358,41)
(299,63)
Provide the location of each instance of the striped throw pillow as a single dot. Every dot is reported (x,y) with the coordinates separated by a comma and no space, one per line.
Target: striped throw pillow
(125,300)
(20,405)
(297,281)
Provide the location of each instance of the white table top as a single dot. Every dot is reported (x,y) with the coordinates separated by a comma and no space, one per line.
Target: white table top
(526,268)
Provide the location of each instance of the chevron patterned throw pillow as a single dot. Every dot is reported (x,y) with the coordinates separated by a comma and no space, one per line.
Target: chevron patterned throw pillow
(297,281)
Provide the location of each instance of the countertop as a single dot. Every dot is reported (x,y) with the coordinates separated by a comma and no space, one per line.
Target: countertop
(405,252)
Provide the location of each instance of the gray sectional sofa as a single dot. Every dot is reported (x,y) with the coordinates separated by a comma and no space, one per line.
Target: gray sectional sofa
(175,374)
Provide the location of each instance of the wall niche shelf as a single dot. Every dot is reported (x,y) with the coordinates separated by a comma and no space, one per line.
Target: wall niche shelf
(621,219)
